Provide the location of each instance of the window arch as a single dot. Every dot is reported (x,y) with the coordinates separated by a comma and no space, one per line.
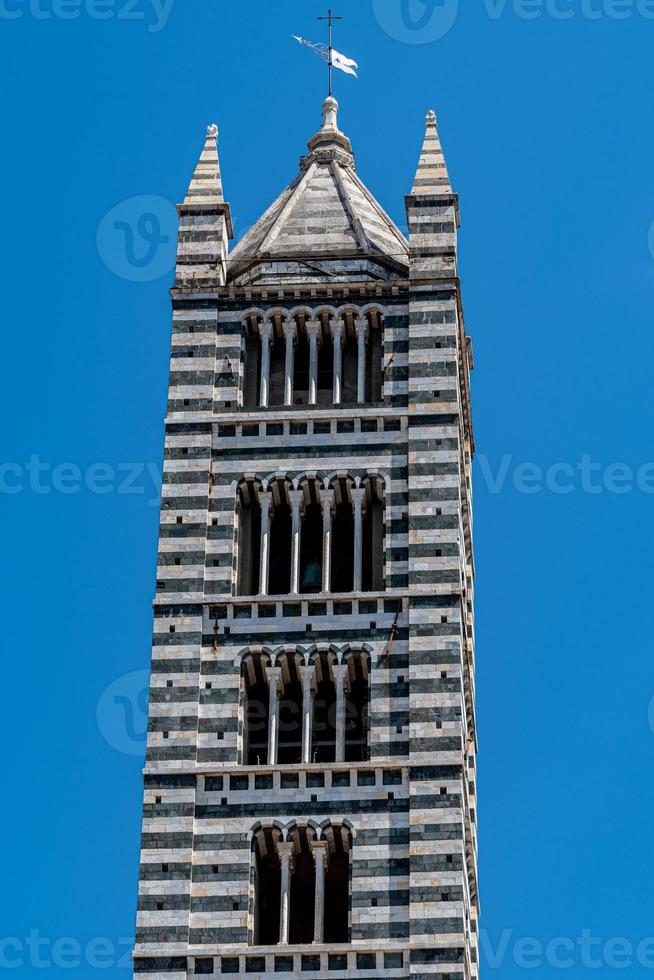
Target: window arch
(310,535)
(305,708)
(325,356)
(300,883)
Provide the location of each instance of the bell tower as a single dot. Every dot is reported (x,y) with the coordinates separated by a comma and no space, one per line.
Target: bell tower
(309,787)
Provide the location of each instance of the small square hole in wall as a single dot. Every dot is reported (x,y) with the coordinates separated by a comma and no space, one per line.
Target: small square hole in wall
(374,903)
(214,521)
(438,512)
(223,801)
(436,394)
(220,736)
(185,451)
(445,897)
(400,679)
(178,561)
(164,868)
(314,798)
(180,520)
(164,734)
(443,674)
(228,404)
(157,799)
(443,790)
(449,858)
(443,619)
(373,625)
(169,683)
(214,869)
(398,729)
(187,401)
(207,686)
(391,796)
(171,629)
(159,906)
(234,906)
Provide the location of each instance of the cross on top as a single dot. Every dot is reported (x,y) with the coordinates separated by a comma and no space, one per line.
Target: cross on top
(330,18)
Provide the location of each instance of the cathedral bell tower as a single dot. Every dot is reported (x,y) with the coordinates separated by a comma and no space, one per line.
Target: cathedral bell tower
(309,801)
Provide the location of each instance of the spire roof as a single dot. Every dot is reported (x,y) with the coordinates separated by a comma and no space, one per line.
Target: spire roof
(206,187)
(431,176)
(326,210)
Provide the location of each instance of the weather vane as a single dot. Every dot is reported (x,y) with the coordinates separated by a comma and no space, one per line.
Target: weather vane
(328,53)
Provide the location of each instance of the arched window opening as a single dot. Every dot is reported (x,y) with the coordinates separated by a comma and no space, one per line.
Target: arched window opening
(255,712)
(280,549)
(311,550)
(303,889)
(350,370)
(301,373)
(337,884)
(251,368)
(374,364)
(289,746)
(357,715)
(249,539)
(373,538)
(323,746)
(301,885)
(326,370)
(267,887)
(277,363)
(342,547)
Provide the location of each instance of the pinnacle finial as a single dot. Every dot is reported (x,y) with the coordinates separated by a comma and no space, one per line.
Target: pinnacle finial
(329,111)
(212,130)
(431,175)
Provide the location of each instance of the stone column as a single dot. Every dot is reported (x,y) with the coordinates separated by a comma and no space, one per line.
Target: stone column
(319,849)
(274,675)
(313,333)
(361,326)
(290,335)
(337,328)
(296,499)
(307,676)
(285,851)
(340,672)
(265,334)
(327,501)
(265,499)
(358,497)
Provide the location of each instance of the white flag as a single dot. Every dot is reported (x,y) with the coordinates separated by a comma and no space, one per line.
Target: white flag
(345,64)
(348,65)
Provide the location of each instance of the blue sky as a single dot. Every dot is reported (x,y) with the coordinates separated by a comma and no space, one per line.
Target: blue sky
(545,111)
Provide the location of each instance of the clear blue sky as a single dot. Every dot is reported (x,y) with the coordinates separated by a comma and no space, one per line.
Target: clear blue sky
(547,127)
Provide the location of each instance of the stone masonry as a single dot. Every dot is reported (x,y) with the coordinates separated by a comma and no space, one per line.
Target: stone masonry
(309,787)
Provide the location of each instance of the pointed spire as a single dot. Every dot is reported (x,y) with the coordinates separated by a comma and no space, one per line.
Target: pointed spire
(206,187)
(431,176)
(205,223)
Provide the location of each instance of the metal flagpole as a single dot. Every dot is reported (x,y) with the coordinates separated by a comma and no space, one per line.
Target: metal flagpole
(330,18)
